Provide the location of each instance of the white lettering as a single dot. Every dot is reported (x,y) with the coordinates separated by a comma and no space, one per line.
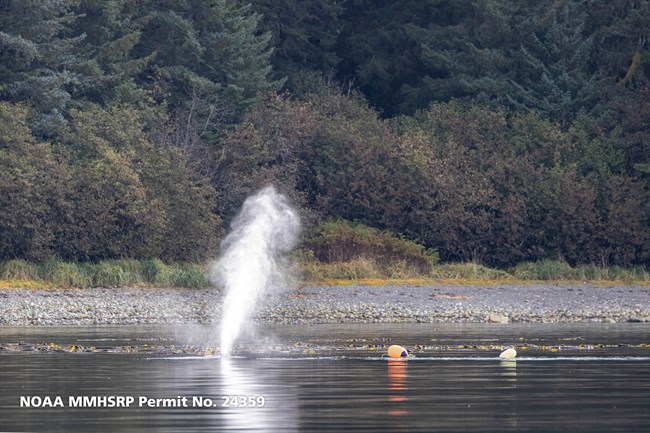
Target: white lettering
(38,401)
(110,401)
(201,402)
(162,402)
(125,401)
(100,401)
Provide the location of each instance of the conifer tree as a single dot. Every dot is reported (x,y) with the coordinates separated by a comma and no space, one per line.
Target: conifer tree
(622,55)
(304,36)
(236,56)
(403,55)
(551,70)
(41,60)
(379,56)
(622,41)
(466,55)
(208,50)
(112,29)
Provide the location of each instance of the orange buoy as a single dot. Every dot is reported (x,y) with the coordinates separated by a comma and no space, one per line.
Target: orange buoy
(396,351)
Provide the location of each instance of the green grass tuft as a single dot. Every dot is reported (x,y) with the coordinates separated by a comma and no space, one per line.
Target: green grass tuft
(55,273)
(157,273)
(543,270)
(18,269)
(468,271)
(63,274)
(189,276)
(558,270)
(116,273)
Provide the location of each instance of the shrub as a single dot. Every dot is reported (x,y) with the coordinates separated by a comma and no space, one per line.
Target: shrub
(340,241)
(32,187)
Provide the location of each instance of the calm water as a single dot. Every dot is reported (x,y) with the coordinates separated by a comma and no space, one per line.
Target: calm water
(338,384)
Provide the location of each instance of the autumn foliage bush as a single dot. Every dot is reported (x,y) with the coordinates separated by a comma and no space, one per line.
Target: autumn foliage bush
(474,183)
(105,192)
(338,241)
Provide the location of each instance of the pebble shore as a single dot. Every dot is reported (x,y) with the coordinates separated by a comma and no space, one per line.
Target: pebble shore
(563,303)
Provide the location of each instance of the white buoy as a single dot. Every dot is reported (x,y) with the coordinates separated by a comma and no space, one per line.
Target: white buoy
(508,354)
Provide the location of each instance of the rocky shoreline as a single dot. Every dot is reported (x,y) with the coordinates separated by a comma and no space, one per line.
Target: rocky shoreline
(536,303)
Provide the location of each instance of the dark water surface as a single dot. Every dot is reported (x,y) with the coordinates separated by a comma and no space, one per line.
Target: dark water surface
(585,378)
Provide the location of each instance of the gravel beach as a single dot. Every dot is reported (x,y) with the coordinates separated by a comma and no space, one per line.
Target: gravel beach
(340,304)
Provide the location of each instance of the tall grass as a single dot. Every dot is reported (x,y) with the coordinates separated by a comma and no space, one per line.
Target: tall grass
(543,270)
(364,268)
(155,273)
(559,270)
(117,273)
(18,269)
(355,269)
(190,276)
(468,271)
(107,273)
(63,274)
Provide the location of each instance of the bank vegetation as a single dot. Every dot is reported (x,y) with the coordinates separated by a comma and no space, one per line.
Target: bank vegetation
(513,137)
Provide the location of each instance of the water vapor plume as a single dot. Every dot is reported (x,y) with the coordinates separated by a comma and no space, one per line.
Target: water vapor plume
(263,232)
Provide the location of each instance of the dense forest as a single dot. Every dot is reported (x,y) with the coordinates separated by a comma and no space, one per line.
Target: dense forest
(491,130)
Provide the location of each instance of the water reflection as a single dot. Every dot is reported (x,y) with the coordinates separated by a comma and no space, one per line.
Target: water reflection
(603,390)
(245,382)
(235,384)
(397,399)
(510,414)
(508,370)
(235,387)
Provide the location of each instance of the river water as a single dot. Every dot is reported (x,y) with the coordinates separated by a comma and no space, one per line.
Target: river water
(570,378)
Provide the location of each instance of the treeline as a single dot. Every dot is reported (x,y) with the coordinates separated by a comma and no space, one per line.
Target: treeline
(469,181)
(486,130)
(104,191)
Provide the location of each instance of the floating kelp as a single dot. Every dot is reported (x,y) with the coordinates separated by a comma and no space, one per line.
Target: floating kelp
(316,347)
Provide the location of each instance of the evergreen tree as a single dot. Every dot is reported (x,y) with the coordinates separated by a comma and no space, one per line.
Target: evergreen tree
(621,33)
(304,38)
(236,56)
(551,70)
(379,55)
(403,56)
(465,56)
(41,61)
(112,29)
(208,52)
